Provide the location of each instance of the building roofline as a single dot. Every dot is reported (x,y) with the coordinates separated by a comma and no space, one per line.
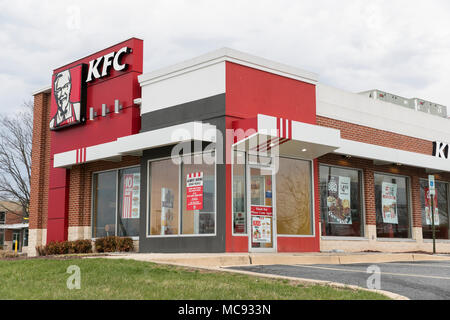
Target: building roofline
(231,55)
(46,89)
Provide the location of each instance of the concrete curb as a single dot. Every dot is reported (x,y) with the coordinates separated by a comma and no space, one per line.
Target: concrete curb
(228,260)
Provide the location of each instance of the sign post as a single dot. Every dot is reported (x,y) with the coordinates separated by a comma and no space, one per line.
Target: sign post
(431,186)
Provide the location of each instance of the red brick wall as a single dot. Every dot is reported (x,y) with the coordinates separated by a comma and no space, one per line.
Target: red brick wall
(388,139)
(80,192)
(40,162)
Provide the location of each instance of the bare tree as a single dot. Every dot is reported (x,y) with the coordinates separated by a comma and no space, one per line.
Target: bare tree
(16,134)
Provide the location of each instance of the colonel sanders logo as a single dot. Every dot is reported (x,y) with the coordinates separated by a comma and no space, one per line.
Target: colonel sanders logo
(69,92)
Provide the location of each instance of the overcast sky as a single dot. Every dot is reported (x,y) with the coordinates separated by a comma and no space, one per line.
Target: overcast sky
(402,47)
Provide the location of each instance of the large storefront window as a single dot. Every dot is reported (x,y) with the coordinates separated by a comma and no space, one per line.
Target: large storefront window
(129,202)
(293,197)
(440,207)
(391,203)
(239,191)
(189,208)
(199,196)
(116,203)
(341,206)
(164,197)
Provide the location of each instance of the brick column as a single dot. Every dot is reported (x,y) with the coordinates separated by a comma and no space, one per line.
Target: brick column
(40,157)
(369,204)
(79,209)
(416,209)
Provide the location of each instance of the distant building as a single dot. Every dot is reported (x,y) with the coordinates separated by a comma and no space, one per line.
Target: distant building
(13,227)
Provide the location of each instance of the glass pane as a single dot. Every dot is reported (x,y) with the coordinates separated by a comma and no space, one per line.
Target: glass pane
(391,203)
(2,237)
(441,223)
(261,208)
(198,206)
(164,195)
(25,238)
(129,202)
(104,218)
(239,186)
(341,211)
(294,197)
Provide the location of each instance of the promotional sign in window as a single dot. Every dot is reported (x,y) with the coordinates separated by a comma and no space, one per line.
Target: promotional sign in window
(261,224)
(389,202)
(167,198)
(338,200)
(131,196)
(68,106)
(239,222)
(194,191)
(428,219)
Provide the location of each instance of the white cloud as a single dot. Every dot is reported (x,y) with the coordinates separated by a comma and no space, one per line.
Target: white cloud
(398,46)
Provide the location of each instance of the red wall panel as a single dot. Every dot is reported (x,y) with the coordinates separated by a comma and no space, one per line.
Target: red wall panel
(250,92)
(121,85)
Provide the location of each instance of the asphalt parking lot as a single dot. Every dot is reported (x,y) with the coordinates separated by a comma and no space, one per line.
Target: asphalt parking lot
(421,280)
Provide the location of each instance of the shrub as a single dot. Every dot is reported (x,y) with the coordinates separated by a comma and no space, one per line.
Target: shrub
(114,244)
(8,254)
(65,247)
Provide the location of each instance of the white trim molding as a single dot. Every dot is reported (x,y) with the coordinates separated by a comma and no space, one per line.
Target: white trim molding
(135,144)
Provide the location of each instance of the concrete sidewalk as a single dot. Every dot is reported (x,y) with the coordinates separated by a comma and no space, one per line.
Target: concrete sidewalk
(242,259)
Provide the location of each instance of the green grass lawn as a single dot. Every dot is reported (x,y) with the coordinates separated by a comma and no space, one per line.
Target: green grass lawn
(128,279)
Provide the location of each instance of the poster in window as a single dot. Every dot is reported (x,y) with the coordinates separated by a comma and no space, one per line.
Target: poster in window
(389,202)
(261,224)
(131,196)
(194,191)
(167,199)
(338,200)
(428,220)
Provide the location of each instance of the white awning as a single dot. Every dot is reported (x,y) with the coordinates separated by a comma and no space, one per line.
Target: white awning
(389,155)
(14,226)
(135,144)
(289,138)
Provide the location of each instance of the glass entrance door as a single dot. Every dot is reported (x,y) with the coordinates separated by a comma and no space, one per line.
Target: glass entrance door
(261,203)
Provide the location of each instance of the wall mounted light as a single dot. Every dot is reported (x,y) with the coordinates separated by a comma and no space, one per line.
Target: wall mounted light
(105,110)
(117,106)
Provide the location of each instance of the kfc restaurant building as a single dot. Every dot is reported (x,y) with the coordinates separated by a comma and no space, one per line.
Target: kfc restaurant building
(229,152)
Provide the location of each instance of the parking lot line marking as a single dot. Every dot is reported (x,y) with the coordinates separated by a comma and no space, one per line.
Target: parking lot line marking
(386,273)
(420,264)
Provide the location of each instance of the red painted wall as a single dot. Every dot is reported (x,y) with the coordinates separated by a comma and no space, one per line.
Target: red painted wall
(250,92)
(121,85)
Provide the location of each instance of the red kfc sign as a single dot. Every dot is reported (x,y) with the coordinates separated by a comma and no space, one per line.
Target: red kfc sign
(69,87)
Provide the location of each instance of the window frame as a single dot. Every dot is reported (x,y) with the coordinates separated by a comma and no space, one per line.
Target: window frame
(180,199)
(3,221)
(117,198)
(448,208)
(409,199)
(362,200)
